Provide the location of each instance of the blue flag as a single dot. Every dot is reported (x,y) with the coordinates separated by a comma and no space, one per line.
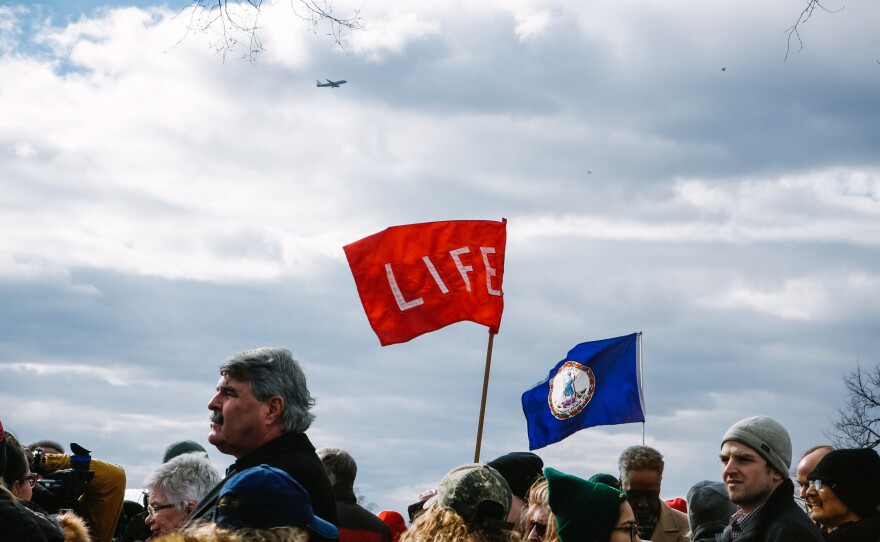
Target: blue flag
(598,383)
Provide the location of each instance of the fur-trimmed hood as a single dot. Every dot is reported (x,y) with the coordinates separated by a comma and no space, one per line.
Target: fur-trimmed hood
(74,527)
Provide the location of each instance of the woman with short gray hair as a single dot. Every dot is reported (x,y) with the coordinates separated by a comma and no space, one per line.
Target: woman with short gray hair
(174,489)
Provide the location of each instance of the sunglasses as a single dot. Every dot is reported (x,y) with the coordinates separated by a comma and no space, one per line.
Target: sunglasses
(540,529)
(819,484)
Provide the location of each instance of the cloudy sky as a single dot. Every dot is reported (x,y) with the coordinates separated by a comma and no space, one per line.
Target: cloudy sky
(662,166)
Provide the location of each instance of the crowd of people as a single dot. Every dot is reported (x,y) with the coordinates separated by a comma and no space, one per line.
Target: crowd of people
(281,488)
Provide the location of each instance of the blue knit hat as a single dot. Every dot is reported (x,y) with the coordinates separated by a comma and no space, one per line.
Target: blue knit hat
(264,497)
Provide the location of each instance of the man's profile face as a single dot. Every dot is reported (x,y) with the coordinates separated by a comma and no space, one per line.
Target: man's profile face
(748,477)
(642,488)
(238,420)
(804,468)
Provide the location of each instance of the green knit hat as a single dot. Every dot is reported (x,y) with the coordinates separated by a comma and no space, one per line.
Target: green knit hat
(581,507)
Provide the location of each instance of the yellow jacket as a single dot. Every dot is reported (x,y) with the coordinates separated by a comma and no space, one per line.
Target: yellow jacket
(101,503)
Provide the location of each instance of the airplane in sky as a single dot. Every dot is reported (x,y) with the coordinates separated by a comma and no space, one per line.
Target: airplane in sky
(329,83)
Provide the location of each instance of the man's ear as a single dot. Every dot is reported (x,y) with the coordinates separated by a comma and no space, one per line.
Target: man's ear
(274,408)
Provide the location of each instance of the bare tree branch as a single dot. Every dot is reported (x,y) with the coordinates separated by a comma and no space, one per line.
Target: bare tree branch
(316,12)
(859,423)
(794,30)
(232,25)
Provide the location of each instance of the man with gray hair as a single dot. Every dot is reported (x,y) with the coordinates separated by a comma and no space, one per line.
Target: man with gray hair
(356,523)
(755,459)
(259,415)
(641,471)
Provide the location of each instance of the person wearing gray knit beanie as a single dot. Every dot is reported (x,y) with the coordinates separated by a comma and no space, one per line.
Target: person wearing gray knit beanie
(767,437)
(755,458)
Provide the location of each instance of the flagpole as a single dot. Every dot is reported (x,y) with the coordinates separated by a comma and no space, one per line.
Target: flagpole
(641,384)
(483,401)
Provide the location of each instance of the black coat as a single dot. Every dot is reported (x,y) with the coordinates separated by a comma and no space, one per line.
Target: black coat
(356,523)
(20,524)
(780,520)
(292,453)
(863,530)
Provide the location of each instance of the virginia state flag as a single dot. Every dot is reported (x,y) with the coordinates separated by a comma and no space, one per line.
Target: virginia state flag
(418,278)
(598,383)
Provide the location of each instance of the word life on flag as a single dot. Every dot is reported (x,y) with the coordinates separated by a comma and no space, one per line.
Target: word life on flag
(418,278)
(598,383)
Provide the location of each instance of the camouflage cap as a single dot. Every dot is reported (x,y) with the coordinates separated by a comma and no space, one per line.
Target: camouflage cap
(470,490)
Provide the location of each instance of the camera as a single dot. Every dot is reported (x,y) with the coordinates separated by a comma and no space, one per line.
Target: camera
(62,489)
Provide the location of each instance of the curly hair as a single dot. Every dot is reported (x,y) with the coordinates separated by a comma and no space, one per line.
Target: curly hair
(438,524)
(539,499)
(639,458)
(211,532)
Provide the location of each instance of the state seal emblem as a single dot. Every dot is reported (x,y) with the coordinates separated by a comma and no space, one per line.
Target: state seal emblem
(571,390)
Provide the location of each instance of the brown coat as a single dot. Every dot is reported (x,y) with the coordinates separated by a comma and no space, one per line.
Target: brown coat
(671,527)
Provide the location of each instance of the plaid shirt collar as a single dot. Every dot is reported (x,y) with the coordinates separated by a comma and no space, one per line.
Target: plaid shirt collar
(740,519)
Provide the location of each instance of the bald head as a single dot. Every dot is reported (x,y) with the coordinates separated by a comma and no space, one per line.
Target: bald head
(806,465)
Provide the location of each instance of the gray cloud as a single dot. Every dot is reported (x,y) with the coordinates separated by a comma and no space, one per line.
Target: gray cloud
(162,210)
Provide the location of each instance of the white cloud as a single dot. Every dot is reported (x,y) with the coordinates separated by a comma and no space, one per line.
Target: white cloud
(115,376)
(797,299)
(819,298)
(24,150)
(534,24)
(391,35)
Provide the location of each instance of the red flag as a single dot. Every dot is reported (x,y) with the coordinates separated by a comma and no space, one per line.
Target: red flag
(419,278)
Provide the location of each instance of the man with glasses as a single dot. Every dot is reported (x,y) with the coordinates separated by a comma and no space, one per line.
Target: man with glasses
(843,493)
(806,465)
(641,471)
(755,459)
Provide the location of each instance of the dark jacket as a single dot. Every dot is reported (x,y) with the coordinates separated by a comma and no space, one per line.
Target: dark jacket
(292,453)
(20,524)
(863,530)
(137,529)
(780,520)
(356,523)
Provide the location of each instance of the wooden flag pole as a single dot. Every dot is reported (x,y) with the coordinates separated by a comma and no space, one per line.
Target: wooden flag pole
(483,401)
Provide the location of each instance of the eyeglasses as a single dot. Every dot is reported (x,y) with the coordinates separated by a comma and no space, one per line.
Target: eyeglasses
(819,484)
(153,509)
(32,479)
(632,529)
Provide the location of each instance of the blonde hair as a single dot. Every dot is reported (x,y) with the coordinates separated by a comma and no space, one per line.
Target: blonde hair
(539,499)
(438,524)
(211,532)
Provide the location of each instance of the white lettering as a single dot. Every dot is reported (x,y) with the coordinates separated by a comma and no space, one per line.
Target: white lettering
(463,269)
(433,270)
(490,271)
(398,295)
